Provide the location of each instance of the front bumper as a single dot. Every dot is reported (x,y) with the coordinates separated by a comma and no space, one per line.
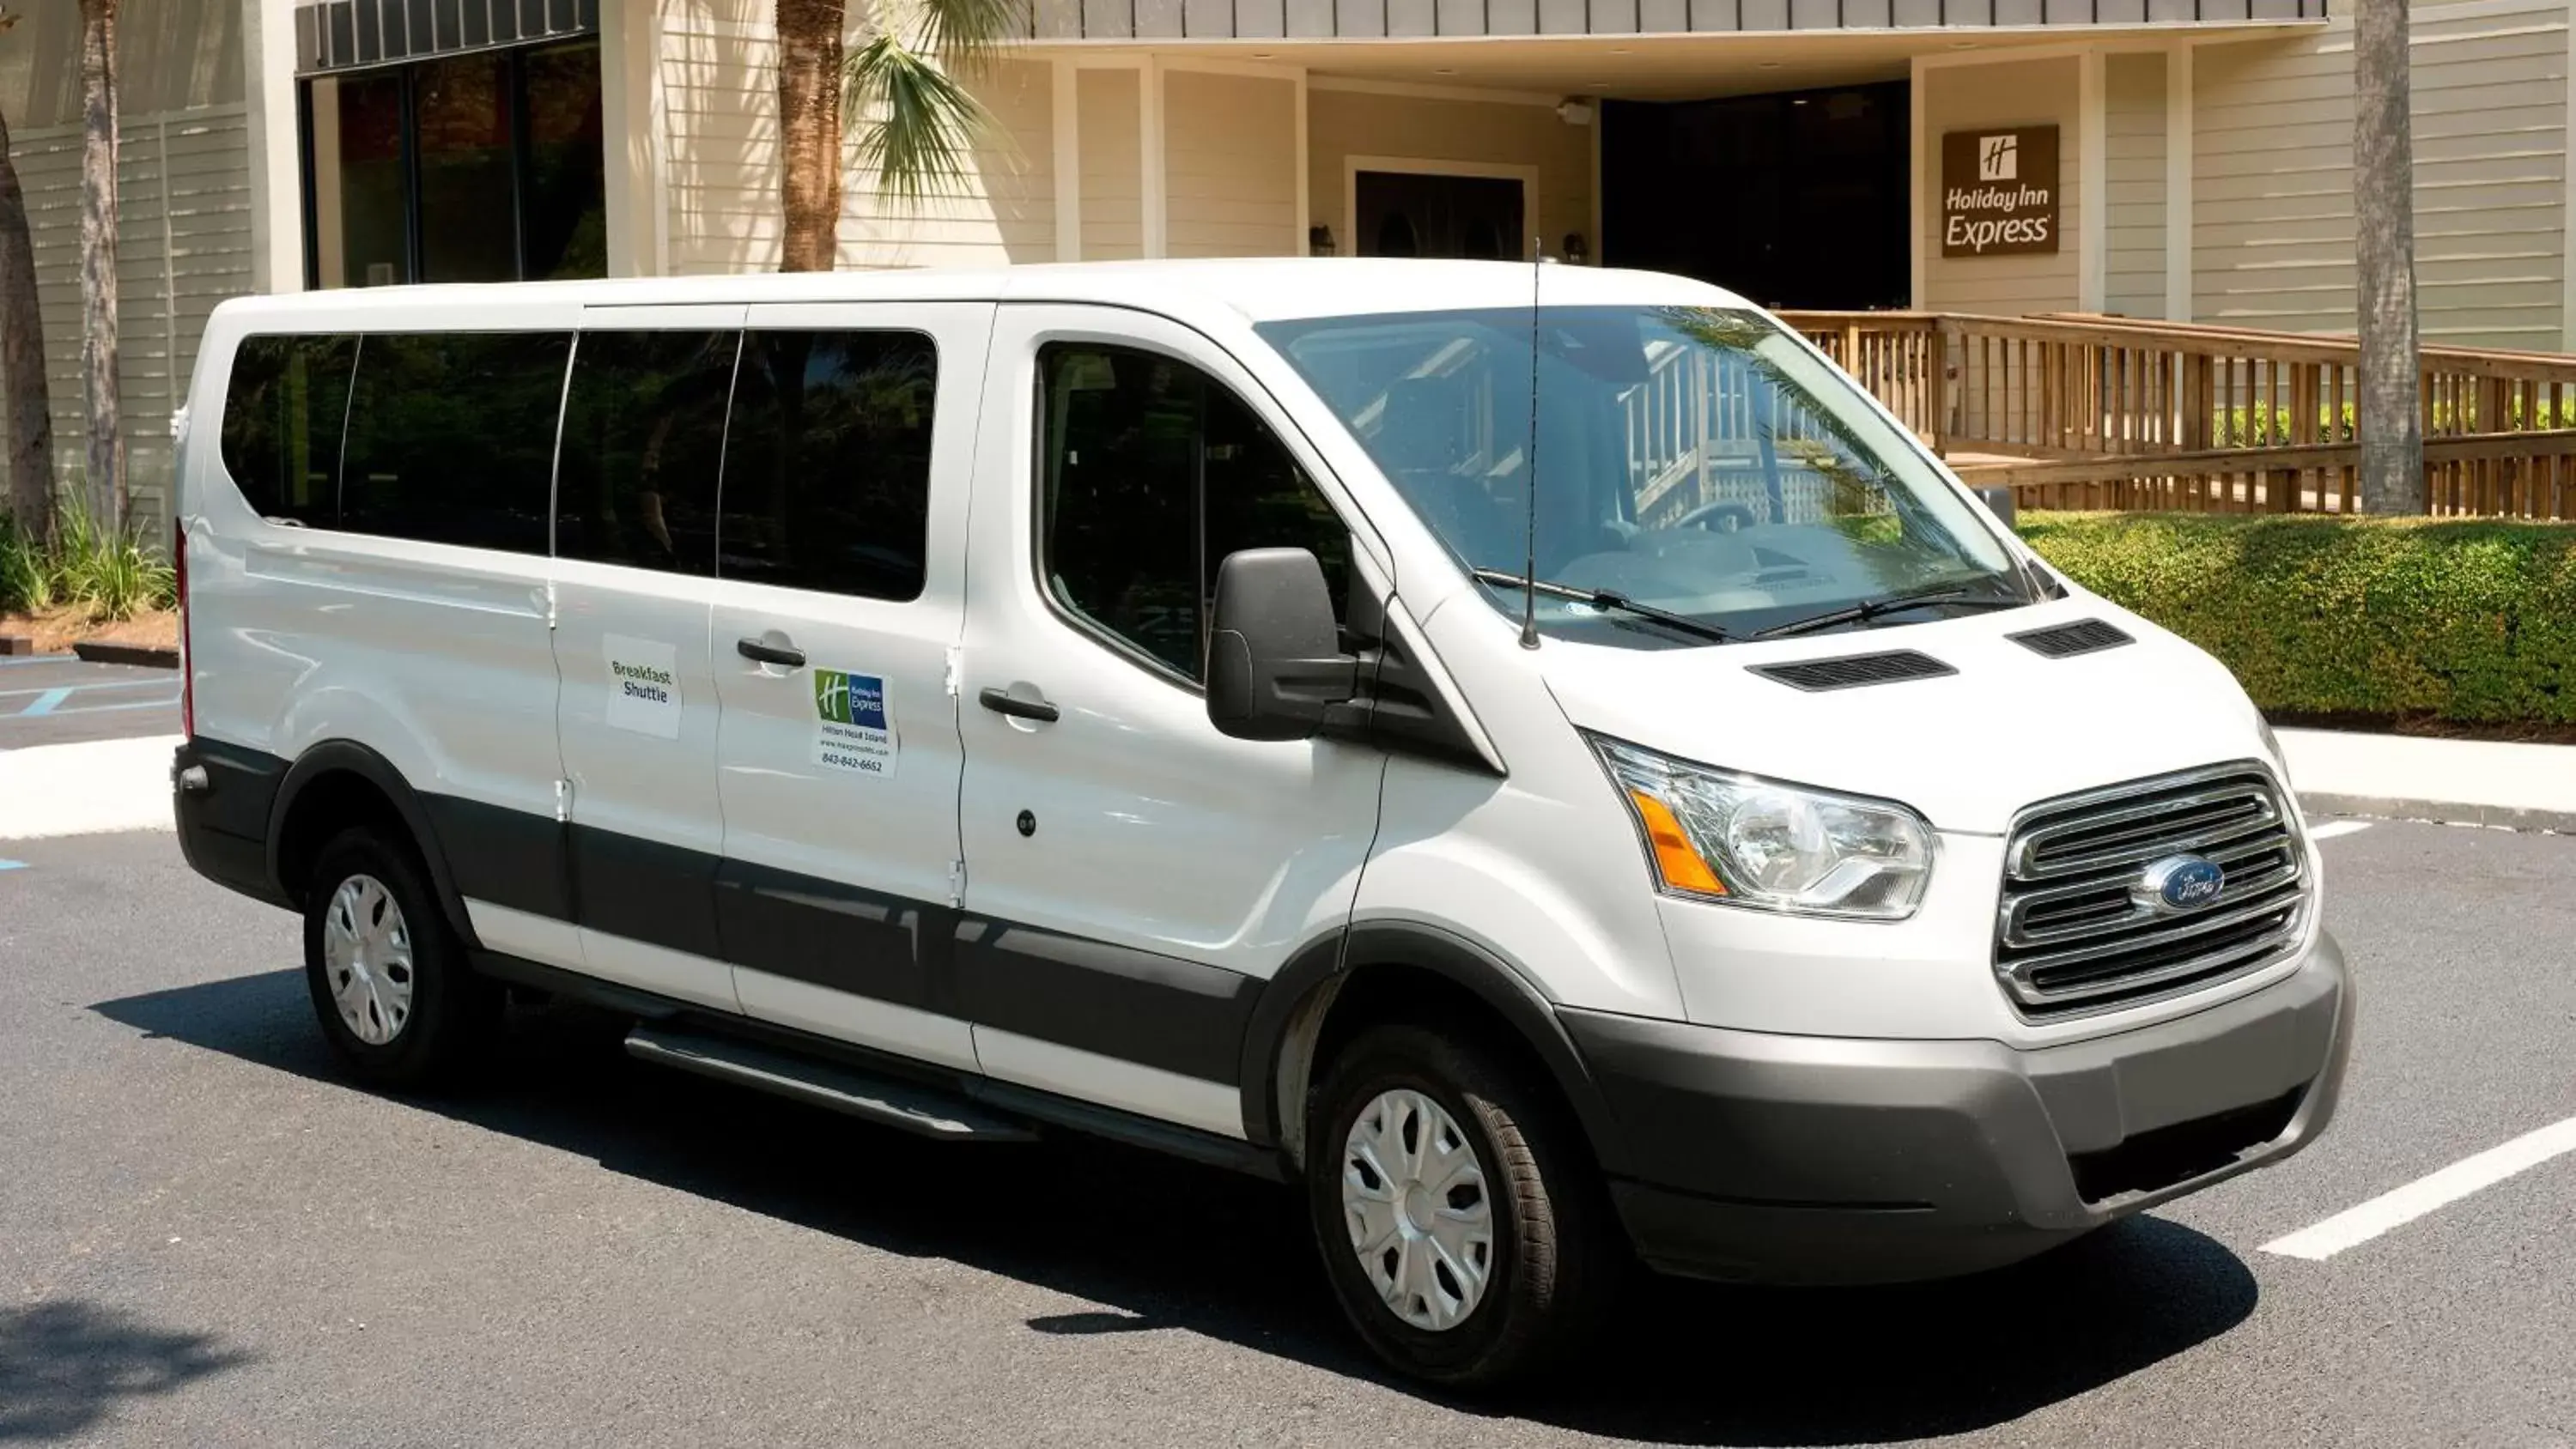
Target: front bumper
(1752,1156)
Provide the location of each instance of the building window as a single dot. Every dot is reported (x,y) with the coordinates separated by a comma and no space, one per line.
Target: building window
(480,167)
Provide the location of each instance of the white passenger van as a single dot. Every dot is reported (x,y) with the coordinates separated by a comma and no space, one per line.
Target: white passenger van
(1209,705)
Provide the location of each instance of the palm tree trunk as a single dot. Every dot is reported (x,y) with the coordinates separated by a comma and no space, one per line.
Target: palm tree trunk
(809,126)
(27,413)
(2383,161)
(98,262)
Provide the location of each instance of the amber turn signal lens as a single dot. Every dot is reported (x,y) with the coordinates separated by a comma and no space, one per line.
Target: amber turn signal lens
(1675,860)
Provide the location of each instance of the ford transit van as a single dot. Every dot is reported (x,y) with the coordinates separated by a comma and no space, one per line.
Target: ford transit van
(1537,759)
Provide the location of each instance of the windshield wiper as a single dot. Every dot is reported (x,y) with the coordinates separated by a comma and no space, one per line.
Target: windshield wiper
(1607,599)
(1878,608)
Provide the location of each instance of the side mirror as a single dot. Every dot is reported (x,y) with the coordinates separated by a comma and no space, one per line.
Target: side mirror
(1999,502)
(1275,665)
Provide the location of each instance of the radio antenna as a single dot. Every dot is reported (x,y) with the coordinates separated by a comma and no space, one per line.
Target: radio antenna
(1529,554)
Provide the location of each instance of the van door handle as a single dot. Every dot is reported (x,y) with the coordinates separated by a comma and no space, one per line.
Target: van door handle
(785,657)
(1002,701)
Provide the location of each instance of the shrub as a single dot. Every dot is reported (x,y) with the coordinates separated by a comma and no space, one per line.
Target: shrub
(26,574)
(2470,621)
(89,566)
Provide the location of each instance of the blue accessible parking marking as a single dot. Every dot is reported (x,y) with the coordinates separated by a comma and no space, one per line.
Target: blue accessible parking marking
(13,865)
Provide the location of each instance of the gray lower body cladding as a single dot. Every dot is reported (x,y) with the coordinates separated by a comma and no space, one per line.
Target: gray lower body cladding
(1759,1157)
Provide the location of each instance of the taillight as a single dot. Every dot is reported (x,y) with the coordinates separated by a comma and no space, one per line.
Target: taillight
(187,666)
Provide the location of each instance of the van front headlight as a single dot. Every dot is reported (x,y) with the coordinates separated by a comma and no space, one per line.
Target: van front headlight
(1715,835)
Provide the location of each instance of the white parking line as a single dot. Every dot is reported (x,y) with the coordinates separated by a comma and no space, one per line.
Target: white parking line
(2406,1204)
(2333,828)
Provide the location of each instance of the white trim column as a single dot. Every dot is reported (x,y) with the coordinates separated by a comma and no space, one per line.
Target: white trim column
(631,116)
(276,172)
(2567,236)
(1919,196)
(2179,123)
(1157,180)
(2093,183)
(1067,101)
(1305,189)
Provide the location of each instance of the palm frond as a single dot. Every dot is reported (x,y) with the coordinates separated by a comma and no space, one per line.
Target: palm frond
(969,35)
(922,124)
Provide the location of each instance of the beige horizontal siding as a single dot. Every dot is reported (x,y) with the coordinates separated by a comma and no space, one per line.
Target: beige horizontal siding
(2273,229)
(1108,108)
(2133,112)
(183,245)
(718,64)
(1231,165)
(171,56)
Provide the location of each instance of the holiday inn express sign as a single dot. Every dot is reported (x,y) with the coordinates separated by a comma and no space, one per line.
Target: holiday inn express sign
(1999,192)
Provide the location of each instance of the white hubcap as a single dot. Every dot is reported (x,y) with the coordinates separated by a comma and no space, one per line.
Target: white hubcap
(366,953)
(1413,1196)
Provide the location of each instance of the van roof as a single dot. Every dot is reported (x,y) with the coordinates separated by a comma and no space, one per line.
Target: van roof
(1255,289)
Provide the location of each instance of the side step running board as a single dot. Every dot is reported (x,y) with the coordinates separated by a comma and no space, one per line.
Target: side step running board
(911,1106)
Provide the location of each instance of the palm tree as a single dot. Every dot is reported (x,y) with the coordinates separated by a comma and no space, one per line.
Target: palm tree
(28,412)
(922,121)
(2383,161)
(98,263)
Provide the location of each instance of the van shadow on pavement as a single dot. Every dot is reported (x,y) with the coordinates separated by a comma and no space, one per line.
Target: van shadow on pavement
(1684,1363)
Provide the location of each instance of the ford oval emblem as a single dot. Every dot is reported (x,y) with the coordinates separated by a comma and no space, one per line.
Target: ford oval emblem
(2181,883)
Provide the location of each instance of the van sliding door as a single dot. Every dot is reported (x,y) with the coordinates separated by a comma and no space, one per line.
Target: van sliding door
(634,581)
(842,544)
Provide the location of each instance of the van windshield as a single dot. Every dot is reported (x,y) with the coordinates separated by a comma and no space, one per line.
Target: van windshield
(1697,462)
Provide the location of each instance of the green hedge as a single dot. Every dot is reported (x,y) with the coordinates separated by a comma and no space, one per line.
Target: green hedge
(2473,622)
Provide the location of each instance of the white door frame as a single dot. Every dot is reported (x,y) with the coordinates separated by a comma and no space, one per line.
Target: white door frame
(1352,166)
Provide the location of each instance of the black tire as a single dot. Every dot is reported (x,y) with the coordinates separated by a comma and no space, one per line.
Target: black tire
(1557,1254)
(450,1007)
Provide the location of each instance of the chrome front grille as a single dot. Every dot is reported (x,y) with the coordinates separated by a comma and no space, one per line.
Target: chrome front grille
(2078,932)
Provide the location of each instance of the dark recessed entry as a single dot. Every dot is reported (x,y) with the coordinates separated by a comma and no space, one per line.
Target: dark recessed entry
(1405,215)
(1798,199)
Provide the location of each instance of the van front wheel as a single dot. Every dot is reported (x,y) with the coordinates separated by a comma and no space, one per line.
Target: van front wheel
(1455,1210)
(388,976)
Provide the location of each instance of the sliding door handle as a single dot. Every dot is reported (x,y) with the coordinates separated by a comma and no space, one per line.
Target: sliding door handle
(1002,701)
(785,656)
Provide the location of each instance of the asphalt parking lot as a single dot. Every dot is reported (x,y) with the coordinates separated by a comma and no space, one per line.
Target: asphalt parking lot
(54,699)
(208,1237)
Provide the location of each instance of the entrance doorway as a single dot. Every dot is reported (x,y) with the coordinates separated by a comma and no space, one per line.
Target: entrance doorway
(1798,199)
(1408,214)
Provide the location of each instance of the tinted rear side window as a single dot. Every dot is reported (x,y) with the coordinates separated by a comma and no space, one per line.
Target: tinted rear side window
(643,440)
(282,414)
(827,462)
(452,437)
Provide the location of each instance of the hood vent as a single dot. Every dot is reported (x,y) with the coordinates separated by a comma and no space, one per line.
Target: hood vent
(2084,636)
(1854,670)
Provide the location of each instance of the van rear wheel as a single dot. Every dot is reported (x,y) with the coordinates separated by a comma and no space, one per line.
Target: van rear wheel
(1465,1235)
(388,976)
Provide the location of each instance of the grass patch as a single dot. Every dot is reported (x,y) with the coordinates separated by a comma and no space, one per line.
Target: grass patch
(108,576)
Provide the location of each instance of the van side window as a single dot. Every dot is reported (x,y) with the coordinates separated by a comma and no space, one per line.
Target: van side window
(643,440)
(1150,474)
(452,437)
(827,462)
(282,414)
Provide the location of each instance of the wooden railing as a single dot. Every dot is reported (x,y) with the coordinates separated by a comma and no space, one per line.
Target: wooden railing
(2101,388)
(2507,475)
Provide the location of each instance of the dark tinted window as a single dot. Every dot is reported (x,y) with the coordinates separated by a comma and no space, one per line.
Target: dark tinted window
(1151,474)
(643,440)
(827,462)
(282,414)
(452,437)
